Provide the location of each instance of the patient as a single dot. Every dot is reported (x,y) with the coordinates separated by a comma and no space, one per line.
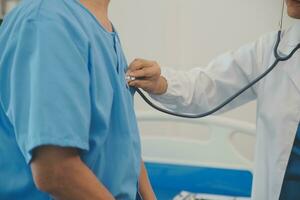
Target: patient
(67,128)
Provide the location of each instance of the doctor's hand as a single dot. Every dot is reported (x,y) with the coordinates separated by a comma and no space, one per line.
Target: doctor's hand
(147,76)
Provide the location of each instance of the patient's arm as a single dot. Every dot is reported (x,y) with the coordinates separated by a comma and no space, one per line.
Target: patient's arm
(61,173)
(145,187)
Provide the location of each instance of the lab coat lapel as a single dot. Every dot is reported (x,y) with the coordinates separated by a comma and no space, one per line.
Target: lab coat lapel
(290,39)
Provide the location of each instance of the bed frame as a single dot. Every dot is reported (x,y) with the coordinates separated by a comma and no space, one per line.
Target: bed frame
(213,166)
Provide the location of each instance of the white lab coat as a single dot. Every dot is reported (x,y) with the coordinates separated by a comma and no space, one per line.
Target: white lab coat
(278,100)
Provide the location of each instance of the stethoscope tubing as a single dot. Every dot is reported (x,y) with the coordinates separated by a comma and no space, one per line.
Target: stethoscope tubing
(278,59)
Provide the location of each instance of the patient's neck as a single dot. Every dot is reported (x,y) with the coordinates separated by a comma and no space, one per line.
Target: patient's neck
(99,8)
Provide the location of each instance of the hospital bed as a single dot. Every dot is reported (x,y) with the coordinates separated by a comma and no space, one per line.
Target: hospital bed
(213,166)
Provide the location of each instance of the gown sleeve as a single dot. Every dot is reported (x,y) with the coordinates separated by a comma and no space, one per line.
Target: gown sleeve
(49,87)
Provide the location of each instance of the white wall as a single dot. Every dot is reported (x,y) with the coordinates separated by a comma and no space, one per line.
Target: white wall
(187,33)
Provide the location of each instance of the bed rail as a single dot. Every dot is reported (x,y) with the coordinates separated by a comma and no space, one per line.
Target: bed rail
(218,151)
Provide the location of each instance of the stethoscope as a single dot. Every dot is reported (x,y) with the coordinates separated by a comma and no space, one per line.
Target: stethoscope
(241,91)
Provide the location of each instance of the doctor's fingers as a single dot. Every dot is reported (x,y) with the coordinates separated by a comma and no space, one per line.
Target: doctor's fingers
(148,73)
(140,64)
(146,85)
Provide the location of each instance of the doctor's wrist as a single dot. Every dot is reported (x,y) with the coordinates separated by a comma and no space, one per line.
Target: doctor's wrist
(162,86)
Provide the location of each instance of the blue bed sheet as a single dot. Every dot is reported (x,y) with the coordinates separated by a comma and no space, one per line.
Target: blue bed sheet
(169,180)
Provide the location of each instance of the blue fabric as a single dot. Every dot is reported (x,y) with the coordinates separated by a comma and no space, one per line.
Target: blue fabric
(62,82)
(291,184)
(168,180)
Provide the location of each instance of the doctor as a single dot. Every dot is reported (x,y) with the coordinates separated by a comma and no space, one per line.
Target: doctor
(277,160)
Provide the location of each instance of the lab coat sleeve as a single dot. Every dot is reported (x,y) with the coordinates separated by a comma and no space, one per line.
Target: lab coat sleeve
(201,89)
(48,90)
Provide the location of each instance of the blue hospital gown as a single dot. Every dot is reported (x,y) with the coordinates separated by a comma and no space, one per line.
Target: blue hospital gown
(62,82)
